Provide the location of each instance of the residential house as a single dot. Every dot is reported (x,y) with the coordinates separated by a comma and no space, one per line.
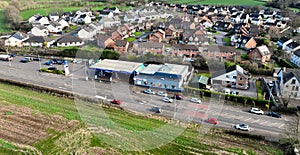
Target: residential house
(16,39)
(106,13)
(64,24)
(157,36)
(69,40)
(53,16)
(129,17)
(113,9)
(121,46)
(55,27)
(289,82)
(104,41)
(121,33)
(35,41)
(190,51)
(39,31)
(234,77)
(151,47)
(83,19)
(245,42)
(219,53)
(295,58)
(260,53)
(283,41)
(293,46)
(39,20)
(199,39)
(110,22)
(222,26)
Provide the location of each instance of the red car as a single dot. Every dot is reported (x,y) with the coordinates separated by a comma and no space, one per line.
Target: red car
(178,97)
(118,102)
(212,121)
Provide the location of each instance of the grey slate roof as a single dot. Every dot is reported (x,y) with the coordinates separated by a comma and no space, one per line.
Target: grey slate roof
(68,39)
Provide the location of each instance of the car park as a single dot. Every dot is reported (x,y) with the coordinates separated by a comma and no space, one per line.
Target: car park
(178,97)
(274,114)
(242,126)
(149,91)
(212,121)
(25,60)
(195,100)
(168,100)
(161,93)
(115,101)
(256,111)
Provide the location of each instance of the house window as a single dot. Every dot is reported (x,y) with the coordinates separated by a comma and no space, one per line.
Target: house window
(297,88)
(241,84)
(173,86)
(293,81)
(287,86)
(241,78)
(234,77)
(293,88)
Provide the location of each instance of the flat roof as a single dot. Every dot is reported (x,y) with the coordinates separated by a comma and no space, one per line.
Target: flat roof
(117,65)
(166,69)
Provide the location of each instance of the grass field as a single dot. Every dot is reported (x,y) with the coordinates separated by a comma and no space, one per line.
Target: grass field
(3,26)
(218,2)
(53,119)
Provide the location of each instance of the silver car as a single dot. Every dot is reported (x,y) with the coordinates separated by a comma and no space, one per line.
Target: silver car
(242,126)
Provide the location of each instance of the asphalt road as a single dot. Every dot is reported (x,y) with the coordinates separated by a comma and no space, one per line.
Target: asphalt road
(133,98)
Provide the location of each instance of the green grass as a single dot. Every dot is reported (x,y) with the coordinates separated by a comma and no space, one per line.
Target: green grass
(188,142)
(204,74)
(3,23)
(227,2)
(227,41)
(137,34)
(259,90)
(130,39)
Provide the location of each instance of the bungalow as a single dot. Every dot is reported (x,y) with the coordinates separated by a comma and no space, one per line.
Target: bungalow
(130,17)
(110,22)
(16,39)
(39,31)
(83,19)
(35,41)
(295,58)
(151,47)
(54,27)
(64,24)
(40,20)
(261,53)
(283,41)
(106,13)
(104,41)
(53,16)
(69,40)
(121,46)
(234,77)
(190,51)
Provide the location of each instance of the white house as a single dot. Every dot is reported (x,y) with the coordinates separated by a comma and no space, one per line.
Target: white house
(291,85)
(53,16)
(35,41)
(54,27)
(295,58)
(39,31)
(130,17)
(84,18)
(69,40)
(64,24)
(16,39)
(89,31)
(41,20)
(110,22)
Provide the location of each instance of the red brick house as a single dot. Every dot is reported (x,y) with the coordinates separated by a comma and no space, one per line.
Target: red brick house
(190,51)
(158,36)
(261,53)
(121,46)
(104,41)
(152,47)
(221,53)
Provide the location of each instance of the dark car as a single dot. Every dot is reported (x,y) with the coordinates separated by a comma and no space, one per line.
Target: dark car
(25,60)
(115,101)
(274,114)
(52,68)
(178,97)
(37,59)
(57,61)
(48,63)
(12,55)
(156,109)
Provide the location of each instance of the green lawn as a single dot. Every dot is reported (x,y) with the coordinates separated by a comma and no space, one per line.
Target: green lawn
(130,39)
(3,26)
(227,41)
(204,74)
(189,142)
(218,2)
(259,90)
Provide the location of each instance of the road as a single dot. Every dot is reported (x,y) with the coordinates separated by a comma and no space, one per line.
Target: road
(133,98)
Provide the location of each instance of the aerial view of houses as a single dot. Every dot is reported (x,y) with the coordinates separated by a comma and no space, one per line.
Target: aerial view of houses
(149,77)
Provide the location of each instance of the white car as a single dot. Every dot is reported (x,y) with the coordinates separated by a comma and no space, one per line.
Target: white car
(161,93)
(168,100)
(195,100)
(242,126)
(256,111)
(149,91)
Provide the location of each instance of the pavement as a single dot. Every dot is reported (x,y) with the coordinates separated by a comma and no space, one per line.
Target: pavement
(133,98)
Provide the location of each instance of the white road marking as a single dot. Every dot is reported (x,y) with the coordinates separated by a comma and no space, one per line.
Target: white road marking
(280,126)
(248,119)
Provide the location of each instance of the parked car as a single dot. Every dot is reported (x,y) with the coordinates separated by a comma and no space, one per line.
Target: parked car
(168,100)
(195,100)
(212,121)
(256,111)
(274,114)
(52,68)
(161,93)
(242,126)
(149,91)
(37,59)
(233,92)
(25,60)
(156,109)
(270,83)
(115,101)
(48,63)
(178,97)
(226,91)
(57,61)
